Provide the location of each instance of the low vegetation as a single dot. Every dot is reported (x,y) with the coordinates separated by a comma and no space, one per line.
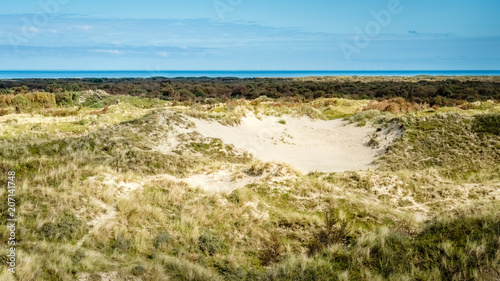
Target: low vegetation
(104,190)
(438,91)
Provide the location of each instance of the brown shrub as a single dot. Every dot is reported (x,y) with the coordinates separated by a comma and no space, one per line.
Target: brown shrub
(271,252)
(6,100)
(329,234)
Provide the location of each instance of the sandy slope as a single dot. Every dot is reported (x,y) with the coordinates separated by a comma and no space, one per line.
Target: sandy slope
(307,145)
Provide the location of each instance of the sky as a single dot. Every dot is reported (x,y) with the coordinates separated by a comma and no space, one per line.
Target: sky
(152,35)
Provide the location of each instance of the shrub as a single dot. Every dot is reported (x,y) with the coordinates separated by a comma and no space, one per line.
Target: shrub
(364,116)
(66,228)
(138,270)
(20,90)
(54,88)
(331,233)
(20,101)
(6,100)
(487,124)
(271,251)
(121,244)
(40,99)
(73,87)
(161,239)
(66,98)
(209,243)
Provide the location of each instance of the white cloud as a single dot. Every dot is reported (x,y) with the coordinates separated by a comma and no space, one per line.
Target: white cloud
(30,29)
(163,54)
(108,51)
(83,27)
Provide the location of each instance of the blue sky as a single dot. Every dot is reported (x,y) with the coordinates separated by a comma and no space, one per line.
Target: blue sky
(250,35)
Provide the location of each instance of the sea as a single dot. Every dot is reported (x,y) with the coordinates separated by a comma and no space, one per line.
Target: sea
(19,74)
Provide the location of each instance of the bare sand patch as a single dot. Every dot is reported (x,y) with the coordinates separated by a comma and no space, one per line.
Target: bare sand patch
(307,145)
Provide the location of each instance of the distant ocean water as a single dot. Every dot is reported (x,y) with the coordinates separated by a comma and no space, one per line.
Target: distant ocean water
(16,74)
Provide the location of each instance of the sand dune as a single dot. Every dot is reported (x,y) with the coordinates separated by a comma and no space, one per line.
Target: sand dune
(305,144)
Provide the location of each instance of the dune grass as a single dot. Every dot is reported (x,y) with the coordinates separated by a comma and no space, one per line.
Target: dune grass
(100,197)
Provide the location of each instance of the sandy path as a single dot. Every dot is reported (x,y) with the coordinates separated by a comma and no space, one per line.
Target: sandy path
(307,145)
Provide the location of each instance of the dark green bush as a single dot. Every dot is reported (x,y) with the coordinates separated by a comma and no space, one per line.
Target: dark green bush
(66,228)
(487,124)
(66,98)
(160,239)
(138,270)
(121,244)
(209,243)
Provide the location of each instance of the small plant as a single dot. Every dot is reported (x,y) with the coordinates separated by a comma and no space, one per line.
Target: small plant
(120,244)
(271,251)
(331,233)
(282,122)
(138,270)
(63,230)
(4,111)
(209,243)
(362,117)
(161,239)
(66,98)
